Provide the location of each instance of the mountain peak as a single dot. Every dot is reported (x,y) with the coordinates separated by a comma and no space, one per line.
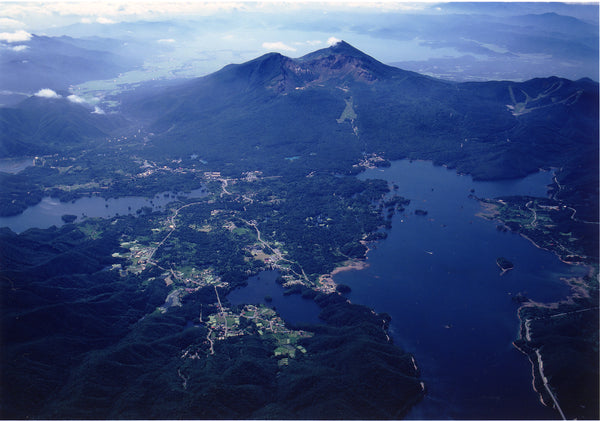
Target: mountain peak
(342,47)
(343,61)
(340,64)
(339,48)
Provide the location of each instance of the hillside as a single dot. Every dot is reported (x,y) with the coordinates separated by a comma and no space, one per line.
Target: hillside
(39,126)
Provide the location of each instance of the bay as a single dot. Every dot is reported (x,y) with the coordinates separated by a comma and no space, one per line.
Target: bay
(437,276)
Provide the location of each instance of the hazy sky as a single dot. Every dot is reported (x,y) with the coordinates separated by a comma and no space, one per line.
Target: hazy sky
(468,41)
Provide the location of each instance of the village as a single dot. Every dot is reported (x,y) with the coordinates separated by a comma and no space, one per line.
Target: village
(251,320)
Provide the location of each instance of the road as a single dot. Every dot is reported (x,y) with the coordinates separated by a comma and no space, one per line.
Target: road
(173,226)
(533,223)
(545,380)
(222,312)
(277,252)
(540,362)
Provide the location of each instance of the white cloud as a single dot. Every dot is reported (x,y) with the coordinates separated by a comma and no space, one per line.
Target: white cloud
(105,21)
(86,20)
(333,41)
(47,93)
(10,23)
(18,36)
(98,110)
(277,46)
(390,5)
(138,9)
(18,48)
(166,41)
(76,99)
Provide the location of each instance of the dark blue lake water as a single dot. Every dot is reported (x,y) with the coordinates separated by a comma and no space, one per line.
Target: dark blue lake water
(292,308)
(436,275)
(49,211)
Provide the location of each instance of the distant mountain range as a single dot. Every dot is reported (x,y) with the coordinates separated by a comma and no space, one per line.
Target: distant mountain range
(57,63)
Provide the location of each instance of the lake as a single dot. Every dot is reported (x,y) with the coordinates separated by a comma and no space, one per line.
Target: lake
(49,211)
(292,308)
(437,276)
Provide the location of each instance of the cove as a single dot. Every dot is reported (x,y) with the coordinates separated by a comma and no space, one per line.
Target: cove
(292,308)
(437,276)
(49,211)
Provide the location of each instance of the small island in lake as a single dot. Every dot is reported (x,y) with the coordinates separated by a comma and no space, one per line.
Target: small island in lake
(68,218)
(504,264)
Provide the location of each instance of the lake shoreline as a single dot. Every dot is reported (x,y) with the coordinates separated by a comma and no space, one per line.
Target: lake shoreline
(327,284)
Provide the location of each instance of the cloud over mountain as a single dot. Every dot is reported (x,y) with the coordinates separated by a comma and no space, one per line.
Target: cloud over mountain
(105,21)
(6,23)
(47,93)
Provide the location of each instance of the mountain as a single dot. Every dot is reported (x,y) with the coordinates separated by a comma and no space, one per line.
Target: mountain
(39,126)
(342,60)
(340,101)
